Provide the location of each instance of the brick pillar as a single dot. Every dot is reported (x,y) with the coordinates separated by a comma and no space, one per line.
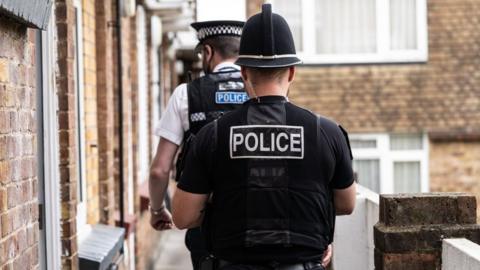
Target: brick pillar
(411,228)
(67,130)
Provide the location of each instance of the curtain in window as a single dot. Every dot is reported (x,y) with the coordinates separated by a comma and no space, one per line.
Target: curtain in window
(403,25)
(345,26)
(406,177)
(368,173)
(292,12)
(362,144)
(406,142)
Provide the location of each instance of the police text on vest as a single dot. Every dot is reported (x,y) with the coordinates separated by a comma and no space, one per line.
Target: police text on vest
(266,141)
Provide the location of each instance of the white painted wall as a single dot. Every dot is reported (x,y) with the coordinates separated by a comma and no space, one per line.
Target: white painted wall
(460,254)
(221,10)
(353,242)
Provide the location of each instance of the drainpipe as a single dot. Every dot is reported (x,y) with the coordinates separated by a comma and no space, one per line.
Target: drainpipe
(120,111)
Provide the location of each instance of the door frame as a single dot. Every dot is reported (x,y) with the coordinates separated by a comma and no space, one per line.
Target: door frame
(47,149)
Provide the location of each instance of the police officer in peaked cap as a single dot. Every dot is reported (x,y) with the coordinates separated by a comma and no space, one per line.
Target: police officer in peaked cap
(267,180)
(191,106)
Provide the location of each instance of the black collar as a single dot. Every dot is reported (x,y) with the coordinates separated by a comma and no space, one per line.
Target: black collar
(267,99)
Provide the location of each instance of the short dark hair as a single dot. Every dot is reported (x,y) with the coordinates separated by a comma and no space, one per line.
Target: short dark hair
(226,46)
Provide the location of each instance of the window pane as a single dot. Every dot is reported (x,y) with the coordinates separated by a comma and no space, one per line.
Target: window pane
(368,173)
(403,25)
(406,177)
(359,143)
(345,26)
(292,12)
(406,142)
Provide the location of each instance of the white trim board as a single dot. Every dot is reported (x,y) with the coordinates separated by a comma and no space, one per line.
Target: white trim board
(49,157)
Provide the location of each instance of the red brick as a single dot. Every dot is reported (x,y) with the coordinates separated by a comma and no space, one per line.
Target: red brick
(13,196)
(15,170)
(424,261)
(69,245)
(4,70)
(15,123)
(3,200)
(32,212)
(7,224)
(4,172)
(22,240)
(27,168)
(3,252)
(4,122)
(33,254)
(31,232)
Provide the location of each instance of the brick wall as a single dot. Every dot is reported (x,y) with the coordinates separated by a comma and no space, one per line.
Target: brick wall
(90,110)
(441,94)
(455,166)
(67,129)
(18,168)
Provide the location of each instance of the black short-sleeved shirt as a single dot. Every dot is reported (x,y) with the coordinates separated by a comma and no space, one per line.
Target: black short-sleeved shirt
(197,178)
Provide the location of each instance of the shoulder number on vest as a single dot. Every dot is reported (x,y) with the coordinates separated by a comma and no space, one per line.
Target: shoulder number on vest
(266,141)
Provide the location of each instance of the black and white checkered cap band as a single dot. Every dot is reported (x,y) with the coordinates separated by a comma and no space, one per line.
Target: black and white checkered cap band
(219,30)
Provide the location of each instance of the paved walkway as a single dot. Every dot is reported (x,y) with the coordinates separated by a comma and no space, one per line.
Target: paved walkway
(172,254)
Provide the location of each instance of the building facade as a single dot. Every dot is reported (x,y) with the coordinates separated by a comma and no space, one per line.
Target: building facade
(76,128)
(402,77)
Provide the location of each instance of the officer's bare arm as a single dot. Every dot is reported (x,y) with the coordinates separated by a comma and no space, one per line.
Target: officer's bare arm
(187,209)
(344,200)
(160,172)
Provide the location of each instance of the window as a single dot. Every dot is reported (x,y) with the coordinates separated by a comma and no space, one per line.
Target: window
(391,163)
(357,31)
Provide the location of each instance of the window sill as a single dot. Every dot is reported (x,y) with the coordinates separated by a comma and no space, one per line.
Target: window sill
(101,247)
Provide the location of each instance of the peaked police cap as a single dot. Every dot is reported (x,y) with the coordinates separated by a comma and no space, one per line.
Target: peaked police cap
(267,42)
(208,29)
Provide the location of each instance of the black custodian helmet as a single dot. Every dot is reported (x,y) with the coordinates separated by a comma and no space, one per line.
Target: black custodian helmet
(267,42)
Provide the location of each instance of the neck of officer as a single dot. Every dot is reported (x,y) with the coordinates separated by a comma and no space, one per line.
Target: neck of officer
(218,60)
(268,88)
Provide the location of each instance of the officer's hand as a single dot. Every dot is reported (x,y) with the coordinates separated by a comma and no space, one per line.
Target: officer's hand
(327,256)
(161,219)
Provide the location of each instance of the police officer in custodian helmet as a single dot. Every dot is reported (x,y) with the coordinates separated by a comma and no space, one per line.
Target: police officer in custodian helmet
(267,180)
(191,106)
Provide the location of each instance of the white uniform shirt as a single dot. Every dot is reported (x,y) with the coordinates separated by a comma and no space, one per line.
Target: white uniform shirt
(174,121)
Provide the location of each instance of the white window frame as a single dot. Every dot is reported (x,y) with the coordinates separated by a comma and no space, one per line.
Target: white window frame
(387,157)
(81,162)
(142,65)
(49,157)
(384,53)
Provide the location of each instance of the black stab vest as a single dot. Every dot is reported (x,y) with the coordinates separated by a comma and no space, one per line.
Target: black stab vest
(212,95)
(263,199)
(209,97)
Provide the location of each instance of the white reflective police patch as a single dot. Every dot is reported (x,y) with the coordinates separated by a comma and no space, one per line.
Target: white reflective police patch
(200,116)
(230,97)
(266,141)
